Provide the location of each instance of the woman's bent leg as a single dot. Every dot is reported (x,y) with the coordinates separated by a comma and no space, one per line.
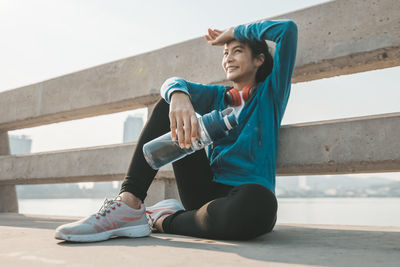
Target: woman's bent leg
(140,175)
(246,212)
(194,179)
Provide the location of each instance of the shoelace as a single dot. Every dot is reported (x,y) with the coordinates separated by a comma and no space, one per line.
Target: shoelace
(150,220)
(106,204)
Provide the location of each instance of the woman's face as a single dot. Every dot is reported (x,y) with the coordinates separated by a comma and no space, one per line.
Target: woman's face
(238,63)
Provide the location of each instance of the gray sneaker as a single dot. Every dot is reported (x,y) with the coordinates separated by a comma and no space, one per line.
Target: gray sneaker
(164,207)
(114,218)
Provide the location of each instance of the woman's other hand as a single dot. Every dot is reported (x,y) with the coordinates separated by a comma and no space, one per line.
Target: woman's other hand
(217,37)
(183,120)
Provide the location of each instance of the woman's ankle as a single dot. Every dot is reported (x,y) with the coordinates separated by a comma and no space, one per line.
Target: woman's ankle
(159,222)
(131,200)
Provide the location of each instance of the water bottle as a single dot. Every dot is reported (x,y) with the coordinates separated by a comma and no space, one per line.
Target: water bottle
(212,126)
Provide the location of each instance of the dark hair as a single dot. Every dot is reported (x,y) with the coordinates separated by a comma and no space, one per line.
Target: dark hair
(257,48)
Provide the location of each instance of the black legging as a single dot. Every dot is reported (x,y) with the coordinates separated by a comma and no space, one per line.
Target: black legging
(212,210)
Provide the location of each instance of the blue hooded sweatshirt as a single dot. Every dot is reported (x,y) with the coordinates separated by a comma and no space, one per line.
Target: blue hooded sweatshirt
(248,154)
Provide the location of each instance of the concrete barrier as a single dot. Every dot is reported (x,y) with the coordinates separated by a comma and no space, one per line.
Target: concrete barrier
(368,144)
(8,193)
(345,37)
(355,145)
(103,163)
(336,38)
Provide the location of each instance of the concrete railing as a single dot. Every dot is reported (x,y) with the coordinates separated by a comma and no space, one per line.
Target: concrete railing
(336,38)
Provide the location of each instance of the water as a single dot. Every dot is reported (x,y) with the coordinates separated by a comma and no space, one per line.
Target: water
(63,206)
(344,211)
(163,150)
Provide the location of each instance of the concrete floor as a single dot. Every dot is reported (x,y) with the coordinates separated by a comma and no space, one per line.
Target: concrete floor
(29,240)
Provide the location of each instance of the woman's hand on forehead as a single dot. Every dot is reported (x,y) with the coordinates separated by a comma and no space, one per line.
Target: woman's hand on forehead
(217,37)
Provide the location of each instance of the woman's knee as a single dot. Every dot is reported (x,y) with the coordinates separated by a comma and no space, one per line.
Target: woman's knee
(262,208)
(251,212)
(160,115)
(255,197)
(160,107)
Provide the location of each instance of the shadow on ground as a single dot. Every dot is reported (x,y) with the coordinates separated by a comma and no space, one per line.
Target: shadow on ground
(290,244)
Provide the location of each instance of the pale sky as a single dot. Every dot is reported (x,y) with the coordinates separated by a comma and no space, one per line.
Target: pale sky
(45,39)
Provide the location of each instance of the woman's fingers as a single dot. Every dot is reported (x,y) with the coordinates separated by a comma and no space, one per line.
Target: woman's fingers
(187,129)
(208,38)
(194,127)
(180,133)
(183,130)
(212,33)
(224,37)
(172,126)
(216,37)
(212,36)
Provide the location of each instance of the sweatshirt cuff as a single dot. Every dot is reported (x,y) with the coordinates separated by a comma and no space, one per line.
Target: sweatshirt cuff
(238,33)
(172,90)
(171,85)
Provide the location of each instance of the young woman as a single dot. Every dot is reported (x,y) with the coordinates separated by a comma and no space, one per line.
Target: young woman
(229,192)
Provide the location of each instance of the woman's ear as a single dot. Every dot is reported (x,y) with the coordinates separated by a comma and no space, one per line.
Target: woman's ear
(260,59)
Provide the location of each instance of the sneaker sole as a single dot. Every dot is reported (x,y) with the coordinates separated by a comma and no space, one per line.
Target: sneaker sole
(132,231)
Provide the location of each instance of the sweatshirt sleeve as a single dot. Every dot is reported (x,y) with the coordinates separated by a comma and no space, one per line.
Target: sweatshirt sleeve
(203,97)
(284,34)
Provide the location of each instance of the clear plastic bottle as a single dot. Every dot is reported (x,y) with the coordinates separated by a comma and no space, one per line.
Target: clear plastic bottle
(212,126)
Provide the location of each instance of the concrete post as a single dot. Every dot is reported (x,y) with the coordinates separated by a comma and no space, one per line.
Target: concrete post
(8,193)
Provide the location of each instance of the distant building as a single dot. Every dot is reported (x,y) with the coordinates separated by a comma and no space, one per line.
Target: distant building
(302,184)
(20,144)
(132,128)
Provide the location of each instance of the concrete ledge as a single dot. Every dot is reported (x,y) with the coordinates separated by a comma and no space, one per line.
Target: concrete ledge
(366,144)
(29,240)
(356,145)
(359,62)
(95,164)
(345,37)
(335,38)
